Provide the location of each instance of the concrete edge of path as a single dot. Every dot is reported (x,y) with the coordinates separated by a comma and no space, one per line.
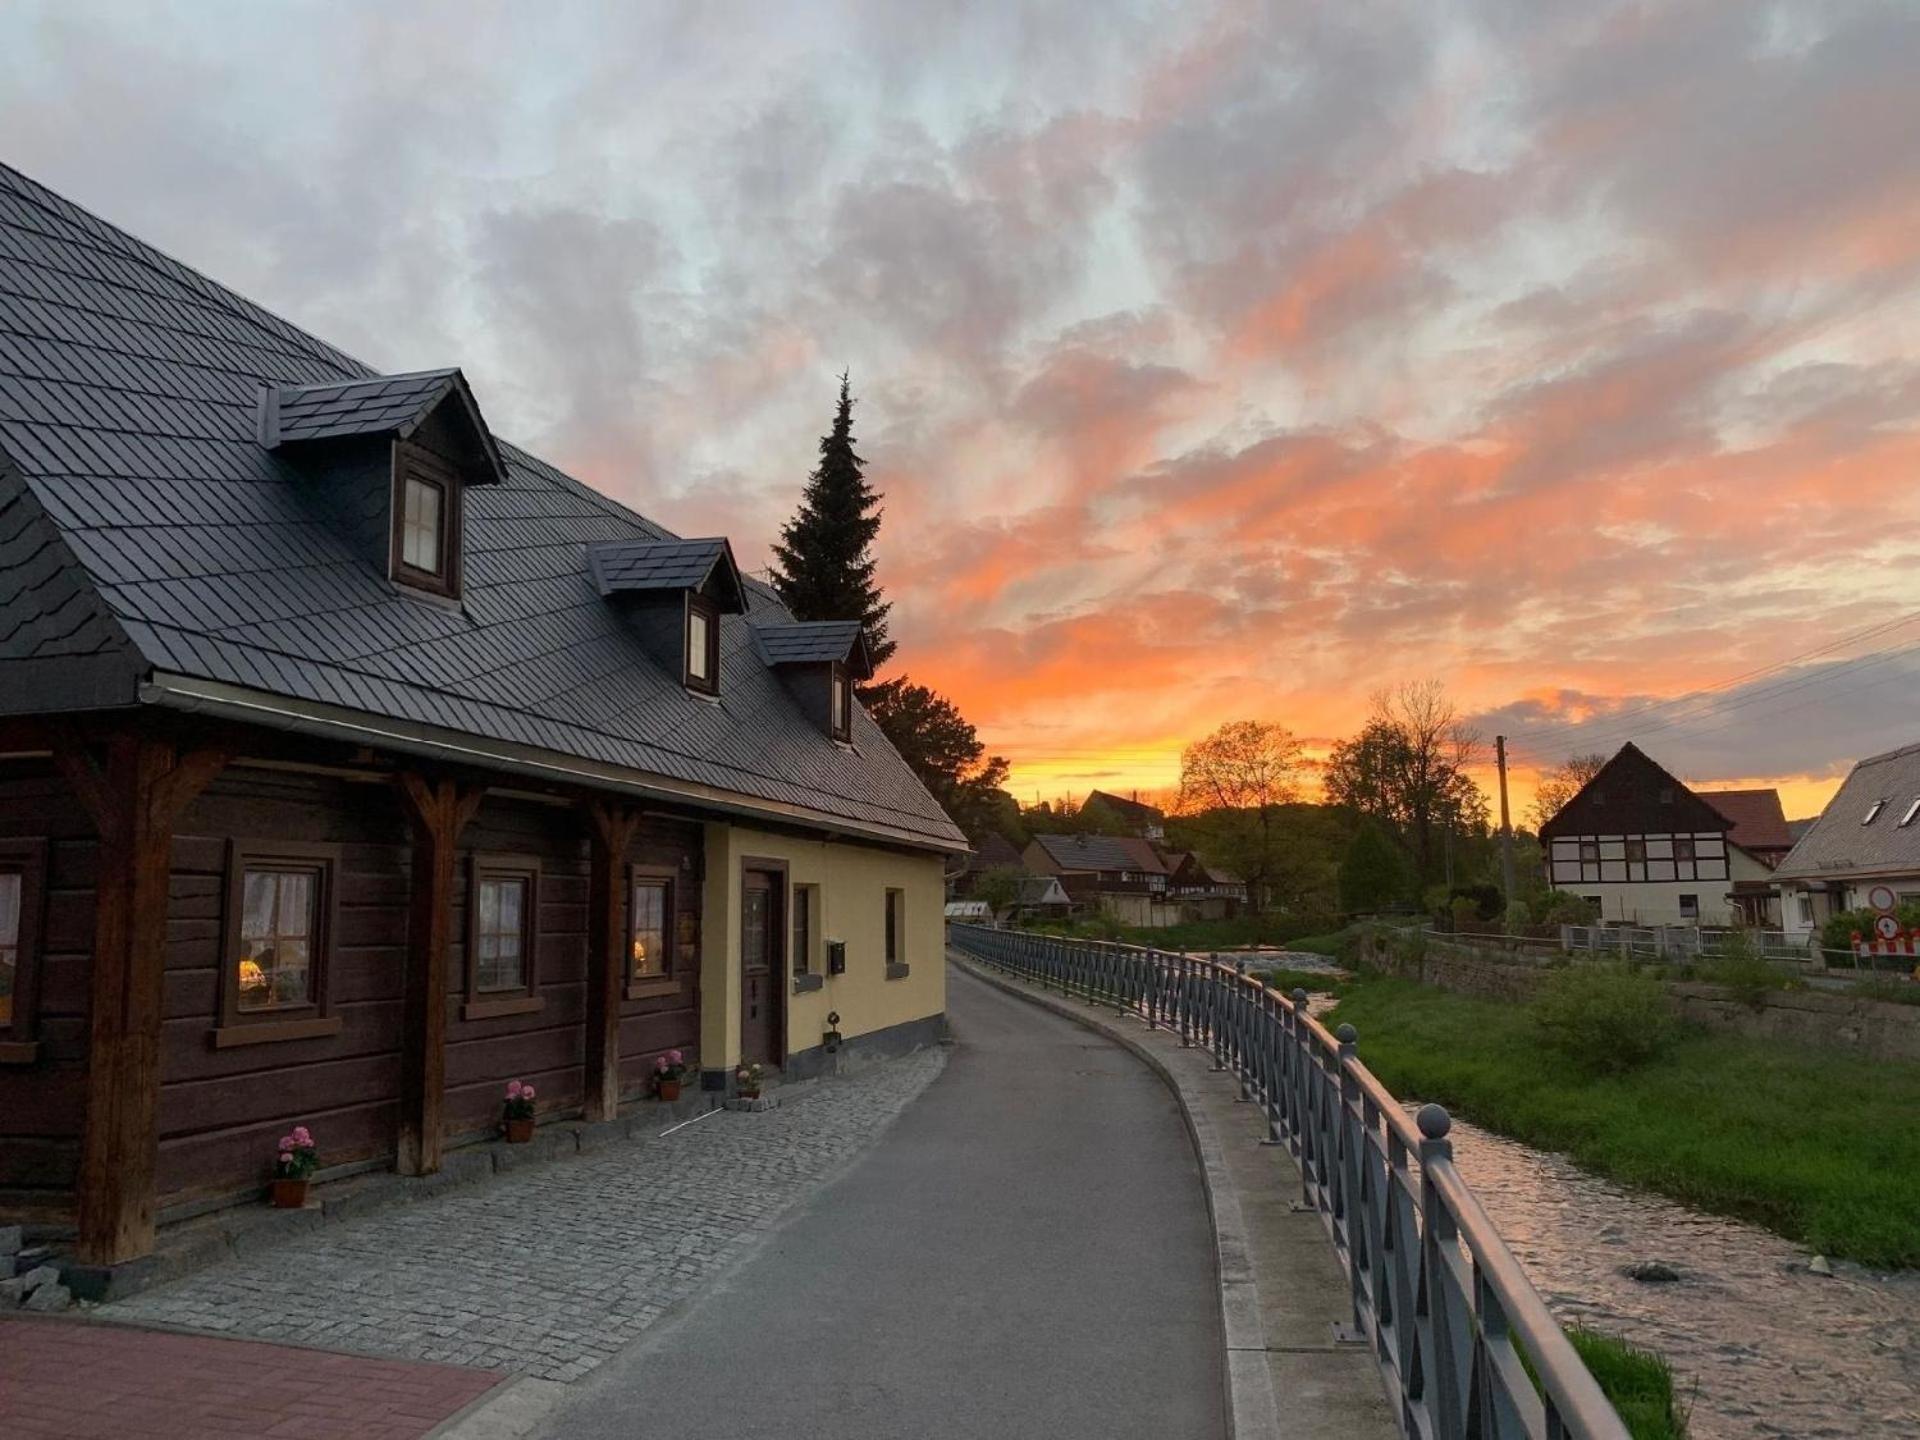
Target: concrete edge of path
(1252,1410)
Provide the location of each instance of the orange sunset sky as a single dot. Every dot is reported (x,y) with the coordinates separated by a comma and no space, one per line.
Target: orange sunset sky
(1217,360)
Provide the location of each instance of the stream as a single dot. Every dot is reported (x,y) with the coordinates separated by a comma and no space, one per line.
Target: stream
(1760,1346)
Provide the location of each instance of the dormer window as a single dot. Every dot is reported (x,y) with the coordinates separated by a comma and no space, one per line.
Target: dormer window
(1873,812)
(819,661)
(426,524)
(391,457)
(842,704)
(422,528)
(673,594)
(702,649)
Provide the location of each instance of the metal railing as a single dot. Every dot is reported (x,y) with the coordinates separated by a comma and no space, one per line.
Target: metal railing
(1437,1295)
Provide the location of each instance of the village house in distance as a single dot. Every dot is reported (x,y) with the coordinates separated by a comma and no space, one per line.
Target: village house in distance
(1647,850)
(356,762)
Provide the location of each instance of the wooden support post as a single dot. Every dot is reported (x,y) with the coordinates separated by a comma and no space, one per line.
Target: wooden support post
(612,828)
(133,798)
(440,810)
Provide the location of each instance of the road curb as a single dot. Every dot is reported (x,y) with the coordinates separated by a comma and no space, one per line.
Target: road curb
(1252,1410)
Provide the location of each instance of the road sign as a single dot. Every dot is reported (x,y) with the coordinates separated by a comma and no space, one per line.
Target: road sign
(1886,927)
(1882,898)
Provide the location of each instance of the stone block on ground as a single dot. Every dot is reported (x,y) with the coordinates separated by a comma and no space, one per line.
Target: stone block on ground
(12,1239)
(21,1287)
(47,1299)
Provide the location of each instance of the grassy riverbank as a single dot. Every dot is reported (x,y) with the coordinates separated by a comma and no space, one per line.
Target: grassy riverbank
(1820,1147)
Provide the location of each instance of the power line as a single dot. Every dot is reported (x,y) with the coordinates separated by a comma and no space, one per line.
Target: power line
(1610,721)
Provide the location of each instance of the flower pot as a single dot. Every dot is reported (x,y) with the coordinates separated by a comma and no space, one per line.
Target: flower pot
(669,1089)
(519,1132)
(290,1194)
(753,1094)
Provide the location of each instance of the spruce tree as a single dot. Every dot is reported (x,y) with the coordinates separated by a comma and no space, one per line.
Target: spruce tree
(823,564)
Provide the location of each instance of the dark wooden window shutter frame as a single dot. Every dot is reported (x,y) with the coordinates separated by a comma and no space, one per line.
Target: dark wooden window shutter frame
(311,1019)
(643,987)
(698,604)
(28,859)
(522,999)
(411,461)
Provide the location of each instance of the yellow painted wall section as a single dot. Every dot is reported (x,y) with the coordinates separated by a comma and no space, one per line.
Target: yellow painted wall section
(851,883)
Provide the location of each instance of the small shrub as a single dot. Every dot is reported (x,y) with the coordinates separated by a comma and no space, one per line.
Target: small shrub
(1738,967)
(1518,918)
(1605,1017)
(1838,932)
(1465,914)
(1561,908)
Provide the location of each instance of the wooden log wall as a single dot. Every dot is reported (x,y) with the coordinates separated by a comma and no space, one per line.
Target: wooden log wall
(221,1108)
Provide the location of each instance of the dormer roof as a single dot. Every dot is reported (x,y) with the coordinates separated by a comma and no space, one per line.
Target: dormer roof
(638,567)
(396,405)
(817,642)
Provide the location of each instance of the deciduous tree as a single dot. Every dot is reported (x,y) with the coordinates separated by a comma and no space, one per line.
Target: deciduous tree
(1244,772)
(1407,769)
(934,738)
(1560,784)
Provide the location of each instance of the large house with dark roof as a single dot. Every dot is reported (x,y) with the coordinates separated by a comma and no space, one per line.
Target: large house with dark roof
(1867,839)
(1646,850)
(356,762)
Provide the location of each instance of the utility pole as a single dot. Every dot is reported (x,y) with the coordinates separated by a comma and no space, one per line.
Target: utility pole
(1506,824)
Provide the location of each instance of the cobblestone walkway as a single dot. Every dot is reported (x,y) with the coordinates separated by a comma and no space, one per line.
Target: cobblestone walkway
(549,1271)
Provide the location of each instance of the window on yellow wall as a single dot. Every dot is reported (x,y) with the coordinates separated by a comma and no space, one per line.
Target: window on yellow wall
(896,922)
(805,902)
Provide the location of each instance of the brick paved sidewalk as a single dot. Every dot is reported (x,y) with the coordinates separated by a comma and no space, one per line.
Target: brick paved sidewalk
(64,1380)
(551,1270)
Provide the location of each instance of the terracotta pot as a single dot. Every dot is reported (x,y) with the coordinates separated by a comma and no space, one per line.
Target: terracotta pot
(669,1089)
(753,1094)
(519,1132)
(290,1194)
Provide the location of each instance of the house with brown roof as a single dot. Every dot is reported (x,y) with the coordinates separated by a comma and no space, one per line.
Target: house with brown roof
(1647,850)
(354,762)
(1122,875)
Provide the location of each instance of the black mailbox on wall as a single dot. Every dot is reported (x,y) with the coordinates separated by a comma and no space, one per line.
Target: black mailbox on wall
(836,957)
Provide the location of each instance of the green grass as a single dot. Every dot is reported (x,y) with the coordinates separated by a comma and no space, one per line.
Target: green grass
(1816,1146)
(1638,1382)
(1892,990)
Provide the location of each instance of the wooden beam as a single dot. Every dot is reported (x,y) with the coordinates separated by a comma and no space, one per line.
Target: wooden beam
(612,828)
(439,810)
(134,795)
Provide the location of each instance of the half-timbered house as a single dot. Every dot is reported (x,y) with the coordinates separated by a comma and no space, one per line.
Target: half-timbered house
(1645,849)
(353,762)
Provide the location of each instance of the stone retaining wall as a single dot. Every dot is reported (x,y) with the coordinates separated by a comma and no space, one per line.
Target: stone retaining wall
(1871,1028)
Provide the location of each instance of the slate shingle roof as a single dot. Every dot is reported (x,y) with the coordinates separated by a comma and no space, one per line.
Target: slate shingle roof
(1101,852)
(145,527)
(636,566)
(815,642)
(1838,844)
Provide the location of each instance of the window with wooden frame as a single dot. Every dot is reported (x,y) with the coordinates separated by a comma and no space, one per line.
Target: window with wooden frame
(426,521)
(841,701)
(805,919)
(896,934)
(503,931)
(277,950)
(702,651)
(650,931)
(23,865)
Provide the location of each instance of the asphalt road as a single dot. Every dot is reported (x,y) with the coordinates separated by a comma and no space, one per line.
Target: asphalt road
(1024,1253)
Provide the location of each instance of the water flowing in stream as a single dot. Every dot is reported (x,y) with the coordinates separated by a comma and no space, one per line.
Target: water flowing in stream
(1760,1346)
